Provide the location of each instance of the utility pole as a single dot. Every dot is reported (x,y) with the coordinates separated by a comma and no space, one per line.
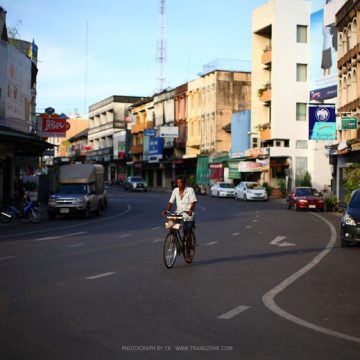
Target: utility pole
(161,50)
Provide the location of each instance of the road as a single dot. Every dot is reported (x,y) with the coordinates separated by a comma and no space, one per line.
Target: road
(266,283)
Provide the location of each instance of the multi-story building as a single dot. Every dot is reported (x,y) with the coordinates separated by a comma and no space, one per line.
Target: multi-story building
(212,99)
(347,151)
(281,59)
(106,118)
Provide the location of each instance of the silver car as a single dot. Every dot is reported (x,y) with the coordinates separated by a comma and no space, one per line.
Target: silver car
(222,189)
(249,190)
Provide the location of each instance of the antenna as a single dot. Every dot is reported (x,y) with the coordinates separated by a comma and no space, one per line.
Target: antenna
(161,48)
(86,67)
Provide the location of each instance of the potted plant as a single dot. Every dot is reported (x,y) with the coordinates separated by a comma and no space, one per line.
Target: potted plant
(330,203)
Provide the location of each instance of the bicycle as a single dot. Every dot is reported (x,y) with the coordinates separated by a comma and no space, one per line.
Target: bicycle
(175,243)
(11,212)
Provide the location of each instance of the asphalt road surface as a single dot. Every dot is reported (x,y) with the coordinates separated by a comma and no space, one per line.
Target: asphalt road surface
(266,283)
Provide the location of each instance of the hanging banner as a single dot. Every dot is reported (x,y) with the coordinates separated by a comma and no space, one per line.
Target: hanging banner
(322,122)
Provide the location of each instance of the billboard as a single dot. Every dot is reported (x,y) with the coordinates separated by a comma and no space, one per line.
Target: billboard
(323,75)
(322,122)
(119,145)
(53,126)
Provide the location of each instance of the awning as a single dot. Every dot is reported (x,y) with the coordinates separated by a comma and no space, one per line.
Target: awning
(24,144)
(220,160)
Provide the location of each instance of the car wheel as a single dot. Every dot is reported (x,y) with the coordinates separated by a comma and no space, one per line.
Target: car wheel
(296,208)
(289,206)
(245,198)
(236,197)
(217,195)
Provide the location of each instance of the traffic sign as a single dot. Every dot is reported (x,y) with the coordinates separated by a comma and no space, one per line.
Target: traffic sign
(49,110)
(349,123)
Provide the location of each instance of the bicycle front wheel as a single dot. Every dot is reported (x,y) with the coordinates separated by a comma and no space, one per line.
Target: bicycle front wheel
(34,216)
(170,250)
(190,241)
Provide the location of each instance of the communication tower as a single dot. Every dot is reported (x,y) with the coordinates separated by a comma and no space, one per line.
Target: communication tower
(161,50)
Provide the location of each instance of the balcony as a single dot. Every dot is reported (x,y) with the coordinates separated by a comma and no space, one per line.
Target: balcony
(149,125)
(134,129)
(266,96)
(137,149)
(265,134)
(266,57)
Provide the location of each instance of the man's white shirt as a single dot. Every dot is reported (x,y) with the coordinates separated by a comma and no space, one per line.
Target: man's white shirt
(183,203)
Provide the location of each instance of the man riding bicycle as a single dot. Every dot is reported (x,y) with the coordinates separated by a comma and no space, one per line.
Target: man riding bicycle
(185,202)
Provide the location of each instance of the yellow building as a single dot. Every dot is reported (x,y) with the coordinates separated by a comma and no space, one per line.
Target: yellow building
(76,126)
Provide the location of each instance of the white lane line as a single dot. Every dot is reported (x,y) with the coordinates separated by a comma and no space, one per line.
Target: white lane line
(279,241)
(48,238)
(248,226)
(7,258)
(124,235)
(268,298)
(100,276)
(235,234)
(255,220)
(156,228)
(60,236)
(129,208)
(212,243)
(230,314)
(76,245)
(157,240)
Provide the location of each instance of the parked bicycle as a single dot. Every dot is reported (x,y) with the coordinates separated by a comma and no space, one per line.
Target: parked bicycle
(11,212)
(175,243)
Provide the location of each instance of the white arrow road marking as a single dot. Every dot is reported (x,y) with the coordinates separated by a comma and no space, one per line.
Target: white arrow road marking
(278,242)
(230,314)
(269,298)
(7,258)
(212,243)
(61,236)
(100,276)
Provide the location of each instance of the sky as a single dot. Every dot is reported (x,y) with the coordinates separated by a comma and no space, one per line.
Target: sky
(122,40)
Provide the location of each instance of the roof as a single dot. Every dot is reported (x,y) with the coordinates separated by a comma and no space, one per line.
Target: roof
(25,144)
(81,135)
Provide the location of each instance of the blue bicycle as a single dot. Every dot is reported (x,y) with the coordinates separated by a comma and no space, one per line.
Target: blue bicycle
(11,212)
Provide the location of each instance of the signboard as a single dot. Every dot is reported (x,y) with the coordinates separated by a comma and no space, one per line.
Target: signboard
(324,72)
(234,172)
(156,146)
(254,166)
(53,126)
(149,132)
(349,123)
(169,131)
(322,122)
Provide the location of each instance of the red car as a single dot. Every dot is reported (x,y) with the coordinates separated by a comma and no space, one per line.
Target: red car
(306,198)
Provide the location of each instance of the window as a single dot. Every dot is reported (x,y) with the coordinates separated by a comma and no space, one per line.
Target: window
(278,143)
(301,34)
(301,111)
(301,144)
(301,72)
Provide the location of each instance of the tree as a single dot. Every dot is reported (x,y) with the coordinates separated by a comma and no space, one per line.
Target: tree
(352,182)
(14,32)
(306,181)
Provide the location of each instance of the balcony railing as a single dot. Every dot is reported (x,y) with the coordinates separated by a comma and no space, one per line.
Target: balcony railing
(266,57)
(266,96)
(265,134)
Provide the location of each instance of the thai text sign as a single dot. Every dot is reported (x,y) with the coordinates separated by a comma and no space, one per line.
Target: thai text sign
(322,122)
(53,126)
(349,123)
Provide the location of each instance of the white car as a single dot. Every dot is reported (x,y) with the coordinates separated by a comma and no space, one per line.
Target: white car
(223,189)
(249,190)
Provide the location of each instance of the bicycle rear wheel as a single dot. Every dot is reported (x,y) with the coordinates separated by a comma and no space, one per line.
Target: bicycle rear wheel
(34,216)
(170,250)
(189,253)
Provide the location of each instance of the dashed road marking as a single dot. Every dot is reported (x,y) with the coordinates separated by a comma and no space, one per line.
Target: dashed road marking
(98,276)
(235,234)
(124,235)
(76,245)
(61,236)
(248,226)
(158,240)
(7,257)
(279,241)
(232,313)
(212,243)
(255,220)
(156,228)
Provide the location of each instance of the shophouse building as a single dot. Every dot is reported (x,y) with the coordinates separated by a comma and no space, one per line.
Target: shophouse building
(346,151)
(106,118)
(20,146)
(281,59)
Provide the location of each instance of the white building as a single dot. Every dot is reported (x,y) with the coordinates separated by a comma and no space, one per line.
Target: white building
(281,58)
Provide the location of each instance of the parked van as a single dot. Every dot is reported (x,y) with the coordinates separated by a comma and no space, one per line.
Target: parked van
(81,190)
